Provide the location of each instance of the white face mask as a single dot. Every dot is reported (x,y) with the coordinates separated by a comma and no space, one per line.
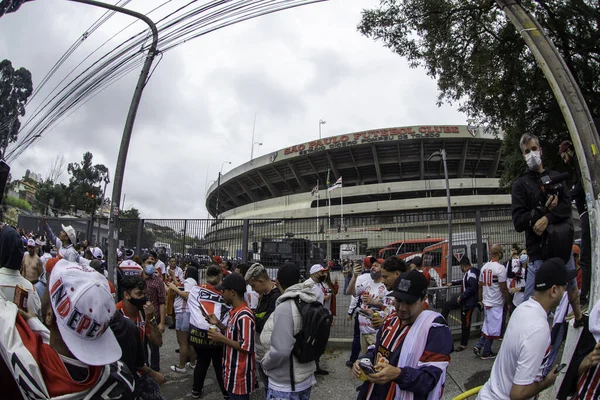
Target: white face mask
(534,160)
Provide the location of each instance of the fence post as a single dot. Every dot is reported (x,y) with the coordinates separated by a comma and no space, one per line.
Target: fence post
(184,234)
(89,229)
(138,240)
(479,239)
(245,239)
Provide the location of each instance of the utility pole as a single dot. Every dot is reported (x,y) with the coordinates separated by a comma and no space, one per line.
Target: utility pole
(113,225)
(583,136)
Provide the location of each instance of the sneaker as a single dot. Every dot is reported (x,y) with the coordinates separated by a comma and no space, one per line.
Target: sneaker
(196,394)
(189,365)
(320,371)
(477,351)
(460,348)
(175,368)
(490,356)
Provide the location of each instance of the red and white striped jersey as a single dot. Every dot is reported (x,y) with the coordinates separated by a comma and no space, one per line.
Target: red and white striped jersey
(207,297)
(239,365)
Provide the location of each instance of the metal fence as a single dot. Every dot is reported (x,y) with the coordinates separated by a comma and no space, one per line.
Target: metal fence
(379,235)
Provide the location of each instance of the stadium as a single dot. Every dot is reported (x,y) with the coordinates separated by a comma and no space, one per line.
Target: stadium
(392,181)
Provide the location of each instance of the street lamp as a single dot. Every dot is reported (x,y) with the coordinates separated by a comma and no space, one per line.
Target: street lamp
(321,122)
(219,185)
(436,156)
(252,151)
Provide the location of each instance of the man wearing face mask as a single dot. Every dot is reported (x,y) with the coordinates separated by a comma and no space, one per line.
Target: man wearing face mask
(528,200)
(155,290)
(136,308)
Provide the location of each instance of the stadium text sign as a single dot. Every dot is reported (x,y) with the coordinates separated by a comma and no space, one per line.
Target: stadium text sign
(378,135)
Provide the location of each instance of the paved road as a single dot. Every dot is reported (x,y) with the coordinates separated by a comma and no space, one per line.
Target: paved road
(466,371)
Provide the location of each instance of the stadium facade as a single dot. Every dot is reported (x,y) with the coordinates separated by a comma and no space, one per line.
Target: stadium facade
(383,170)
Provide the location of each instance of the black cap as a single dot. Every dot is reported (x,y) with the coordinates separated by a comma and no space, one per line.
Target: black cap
(553,272)
(234,282)
(417,261)
(465,260)
(410,287)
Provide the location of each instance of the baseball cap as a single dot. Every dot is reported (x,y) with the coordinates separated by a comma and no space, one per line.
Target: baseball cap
(218,259)
(553,272)
(317,268)
(576,249)
(83,306)
(564,146)
(97,252)
(410,287)
(234,282)
(31,243)
(368,261)
(70,233)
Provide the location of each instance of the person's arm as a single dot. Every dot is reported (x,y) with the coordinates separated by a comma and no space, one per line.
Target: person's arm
(180,293)
(503,286)
(351,289)
(153,333)
(480,292)
(162,301)
(247,328)
(524,392)
(283,342)
(471,289)
(521,213)
(40,268)
(562,210)
(591,360)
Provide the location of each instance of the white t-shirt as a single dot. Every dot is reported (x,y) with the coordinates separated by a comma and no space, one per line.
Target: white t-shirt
(251,298)
(492,274)
(317,289)
(160,266)
(178,274)
(378,292)
(523,352)
(180,304)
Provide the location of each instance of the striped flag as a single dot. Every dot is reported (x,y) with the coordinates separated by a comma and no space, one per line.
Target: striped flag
(315,190)
(337,184)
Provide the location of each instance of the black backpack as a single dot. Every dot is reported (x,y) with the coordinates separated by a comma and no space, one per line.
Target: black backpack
(312,339)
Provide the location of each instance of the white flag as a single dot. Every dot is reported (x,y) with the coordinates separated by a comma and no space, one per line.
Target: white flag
(337,184)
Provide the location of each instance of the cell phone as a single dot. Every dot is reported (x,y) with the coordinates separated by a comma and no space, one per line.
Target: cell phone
(366,366)
(560,368)
(20,297)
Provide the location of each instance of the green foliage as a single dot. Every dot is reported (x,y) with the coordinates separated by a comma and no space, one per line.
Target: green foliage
(129,230)
(18,203)
(15,88)
(51,197)
(85,192)
(481,62)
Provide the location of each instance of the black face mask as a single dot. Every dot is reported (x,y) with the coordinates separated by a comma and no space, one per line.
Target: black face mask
(138,303)
(322,279)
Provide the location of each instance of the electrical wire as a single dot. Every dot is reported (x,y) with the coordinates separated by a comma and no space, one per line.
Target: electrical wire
(82,83)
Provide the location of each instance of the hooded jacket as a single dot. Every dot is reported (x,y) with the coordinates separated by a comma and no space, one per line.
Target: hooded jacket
(287,318)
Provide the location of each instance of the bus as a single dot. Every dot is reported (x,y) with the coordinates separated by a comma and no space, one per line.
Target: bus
(410,246)
(301,252)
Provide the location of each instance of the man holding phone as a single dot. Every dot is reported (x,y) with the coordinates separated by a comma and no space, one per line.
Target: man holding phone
(517,372)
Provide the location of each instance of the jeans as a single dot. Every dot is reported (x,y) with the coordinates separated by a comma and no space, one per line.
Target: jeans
(355,341)
(486,344)
(276,395)
(148,389)
(532,268)
(239,396)
(204,356)
(465,318)
(154,357)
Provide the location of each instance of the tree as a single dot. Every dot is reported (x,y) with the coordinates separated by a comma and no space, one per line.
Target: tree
(129,230)
(15,89)
(57,167)
(85,191)
(51,198)
(481,62)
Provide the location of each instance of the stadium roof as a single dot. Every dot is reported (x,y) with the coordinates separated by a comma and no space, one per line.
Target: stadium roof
(361,158)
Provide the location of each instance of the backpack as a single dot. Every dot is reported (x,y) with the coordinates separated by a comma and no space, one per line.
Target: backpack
(312,339)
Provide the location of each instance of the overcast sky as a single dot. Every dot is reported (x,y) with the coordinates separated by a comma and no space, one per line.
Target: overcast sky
(291,69)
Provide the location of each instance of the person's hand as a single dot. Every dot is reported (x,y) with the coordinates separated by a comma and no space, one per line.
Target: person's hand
(593,358)
(161,327)
(26,315)
(327,297)
(212,319)
(358,269)
(458,300)
(356,371)
(514,290)
(366,299)
(551,377)
(552,202)
(216,336)
(540,226)
(350,317)
(149,311)
(158,377)
(377,321)
(172,286)
(385,373)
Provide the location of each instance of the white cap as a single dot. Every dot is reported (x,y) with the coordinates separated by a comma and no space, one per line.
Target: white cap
(594,321)
(97,252)
(31,243)
(83,306)
(70,233)
(317,268)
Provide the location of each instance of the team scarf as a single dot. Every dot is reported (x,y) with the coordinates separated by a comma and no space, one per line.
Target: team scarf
(412,351)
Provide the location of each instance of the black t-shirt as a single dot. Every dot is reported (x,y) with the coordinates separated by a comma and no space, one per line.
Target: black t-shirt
(265,308)
(128,336)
